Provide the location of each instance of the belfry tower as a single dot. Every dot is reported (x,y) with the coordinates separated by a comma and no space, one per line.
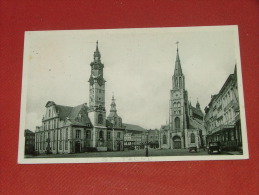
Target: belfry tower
(178,104)
(97,112)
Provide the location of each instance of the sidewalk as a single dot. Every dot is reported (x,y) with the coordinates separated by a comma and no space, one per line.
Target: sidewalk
(234,153)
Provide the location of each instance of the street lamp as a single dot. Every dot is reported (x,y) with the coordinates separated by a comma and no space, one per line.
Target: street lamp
(147,132)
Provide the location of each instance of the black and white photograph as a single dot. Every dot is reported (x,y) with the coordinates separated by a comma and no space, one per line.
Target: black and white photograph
(132,95)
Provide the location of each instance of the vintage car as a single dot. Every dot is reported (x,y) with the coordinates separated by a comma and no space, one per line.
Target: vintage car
(193,148)
(214,147)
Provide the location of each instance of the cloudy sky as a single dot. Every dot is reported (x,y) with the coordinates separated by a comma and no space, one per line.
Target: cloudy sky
(138,68)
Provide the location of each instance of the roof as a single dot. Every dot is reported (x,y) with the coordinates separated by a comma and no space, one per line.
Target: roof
(72,113)
(63,111)
(28,131)
(196,125)
(81,119)
(197,111)
(133,127)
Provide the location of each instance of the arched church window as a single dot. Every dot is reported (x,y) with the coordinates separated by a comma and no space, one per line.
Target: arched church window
(100,118)
(177,123)
(176,82)
(175,105)
(164,139)
(192,138)
(180,82)
(178,104)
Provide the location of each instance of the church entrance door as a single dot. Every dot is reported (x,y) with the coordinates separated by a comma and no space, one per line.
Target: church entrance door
(78,147)
(177,144)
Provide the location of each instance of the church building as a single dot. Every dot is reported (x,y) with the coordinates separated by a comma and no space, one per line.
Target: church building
(67,129)
(186,126)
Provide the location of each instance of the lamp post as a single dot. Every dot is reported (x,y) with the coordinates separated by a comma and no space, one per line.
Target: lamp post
(147,132)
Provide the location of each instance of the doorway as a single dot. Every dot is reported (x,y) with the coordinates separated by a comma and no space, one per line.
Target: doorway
(177,143)
(78,147)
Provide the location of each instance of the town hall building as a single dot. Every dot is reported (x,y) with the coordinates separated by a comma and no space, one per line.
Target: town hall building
(67,129)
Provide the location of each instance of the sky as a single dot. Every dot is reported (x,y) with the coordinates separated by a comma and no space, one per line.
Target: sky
(138,68)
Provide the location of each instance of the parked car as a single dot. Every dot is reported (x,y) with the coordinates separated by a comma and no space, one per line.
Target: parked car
(193,148)
(214,147)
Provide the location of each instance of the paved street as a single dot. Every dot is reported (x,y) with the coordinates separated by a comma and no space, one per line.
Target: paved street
(129,153)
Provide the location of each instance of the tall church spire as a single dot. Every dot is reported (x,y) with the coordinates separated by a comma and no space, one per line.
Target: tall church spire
(177,68)
(178,77)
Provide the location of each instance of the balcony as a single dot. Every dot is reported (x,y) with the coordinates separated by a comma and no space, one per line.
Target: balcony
(230,104)
(221,127)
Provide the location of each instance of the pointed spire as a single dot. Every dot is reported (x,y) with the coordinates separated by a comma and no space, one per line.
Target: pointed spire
(178,68)
(198,104)
(97,54)
(113,104)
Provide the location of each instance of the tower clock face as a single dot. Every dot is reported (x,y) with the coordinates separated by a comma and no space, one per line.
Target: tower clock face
(177,94)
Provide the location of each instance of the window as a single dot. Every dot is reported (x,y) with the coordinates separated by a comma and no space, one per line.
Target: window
(87,134)
(178,104)
(54,143)
(49,112)
(177,122)
(66,133)
(66,144)
(60,145)
(101,134)
(118,134)
(108,135)
(192,138)
(100,118)
(78,133)
(164,139)
(60,134)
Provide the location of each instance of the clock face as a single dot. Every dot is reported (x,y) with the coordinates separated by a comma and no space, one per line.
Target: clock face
(177,94)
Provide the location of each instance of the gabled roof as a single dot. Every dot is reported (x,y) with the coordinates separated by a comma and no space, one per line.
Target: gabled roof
(72,113)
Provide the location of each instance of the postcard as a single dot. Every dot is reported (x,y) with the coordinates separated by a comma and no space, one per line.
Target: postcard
(132,95)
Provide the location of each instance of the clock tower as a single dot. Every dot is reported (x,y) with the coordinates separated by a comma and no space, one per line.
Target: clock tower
(178,104)
(97,112)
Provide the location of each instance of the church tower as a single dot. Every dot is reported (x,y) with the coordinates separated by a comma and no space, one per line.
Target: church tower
(178,103)
(113,116)
(97,112)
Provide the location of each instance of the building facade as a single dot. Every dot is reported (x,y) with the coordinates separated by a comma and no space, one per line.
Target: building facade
(186,125)
(67,129)
(29,141)
(222,118)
